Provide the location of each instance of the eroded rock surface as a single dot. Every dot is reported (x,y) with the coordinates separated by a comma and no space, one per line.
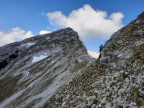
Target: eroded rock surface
(35,68)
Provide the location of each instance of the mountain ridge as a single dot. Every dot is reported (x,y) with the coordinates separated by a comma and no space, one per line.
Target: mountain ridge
(33,69)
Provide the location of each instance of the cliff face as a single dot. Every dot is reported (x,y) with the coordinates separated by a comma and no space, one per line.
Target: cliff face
(35,68)
(115,80)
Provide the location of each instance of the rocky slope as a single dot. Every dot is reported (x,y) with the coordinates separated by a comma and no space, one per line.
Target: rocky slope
(33,69)
(115,80)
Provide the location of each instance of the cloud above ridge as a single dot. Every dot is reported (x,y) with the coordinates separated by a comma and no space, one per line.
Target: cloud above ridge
(44,32)
(89,23)
(93,54)
(16,34)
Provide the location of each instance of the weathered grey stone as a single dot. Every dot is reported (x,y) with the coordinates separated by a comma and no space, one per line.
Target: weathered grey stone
(125,55)
(137,43)
(105,60)
(46,62)
(120,41)
(138,33)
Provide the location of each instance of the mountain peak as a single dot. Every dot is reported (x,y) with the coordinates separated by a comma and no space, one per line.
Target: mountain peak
(140,19)
(36,67)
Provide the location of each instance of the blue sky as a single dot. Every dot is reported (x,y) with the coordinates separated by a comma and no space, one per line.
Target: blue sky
(31,15)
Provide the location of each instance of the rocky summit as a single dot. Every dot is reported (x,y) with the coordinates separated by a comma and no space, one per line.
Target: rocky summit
(114,80)
(32,70)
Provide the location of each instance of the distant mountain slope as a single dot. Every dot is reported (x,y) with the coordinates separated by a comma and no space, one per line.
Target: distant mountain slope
(115,80)
(33,69)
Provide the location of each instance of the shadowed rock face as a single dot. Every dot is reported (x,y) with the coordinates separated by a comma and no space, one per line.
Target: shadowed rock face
(115,80)
(37,67)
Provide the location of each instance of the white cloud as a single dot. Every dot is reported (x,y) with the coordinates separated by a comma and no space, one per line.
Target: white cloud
(44,32)
(89,23)
(93,54)
(16,34)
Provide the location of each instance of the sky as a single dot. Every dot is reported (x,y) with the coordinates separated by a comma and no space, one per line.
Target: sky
(94,20)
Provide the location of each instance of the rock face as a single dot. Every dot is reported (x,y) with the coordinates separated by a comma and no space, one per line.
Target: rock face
(115,80)
(32,70)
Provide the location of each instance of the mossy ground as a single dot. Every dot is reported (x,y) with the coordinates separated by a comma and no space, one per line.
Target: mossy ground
(8,86)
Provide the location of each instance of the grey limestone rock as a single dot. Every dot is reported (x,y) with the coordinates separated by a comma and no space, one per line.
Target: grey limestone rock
(45,63)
